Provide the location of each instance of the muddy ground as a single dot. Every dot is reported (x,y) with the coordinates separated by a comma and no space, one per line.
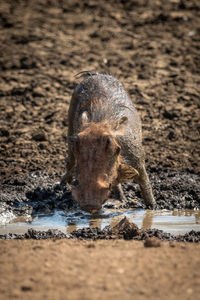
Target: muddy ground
(153,48)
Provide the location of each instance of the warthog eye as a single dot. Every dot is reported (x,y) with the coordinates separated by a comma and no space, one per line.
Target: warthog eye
(108,142)
(118,149)
(76,142)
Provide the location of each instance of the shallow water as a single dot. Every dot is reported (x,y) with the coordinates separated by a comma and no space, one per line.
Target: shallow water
(175,222)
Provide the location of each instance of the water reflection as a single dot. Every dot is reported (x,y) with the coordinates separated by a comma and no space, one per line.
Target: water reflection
(147,219)
(176,222)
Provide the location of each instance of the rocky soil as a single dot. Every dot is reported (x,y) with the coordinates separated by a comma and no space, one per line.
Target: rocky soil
(152,47)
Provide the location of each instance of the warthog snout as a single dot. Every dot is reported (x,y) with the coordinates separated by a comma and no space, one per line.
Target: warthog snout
(91,195)
(98,163)
(90,208)
(97,160)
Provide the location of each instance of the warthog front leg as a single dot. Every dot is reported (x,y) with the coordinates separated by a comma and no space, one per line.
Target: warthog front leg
(118,191)
(143,180)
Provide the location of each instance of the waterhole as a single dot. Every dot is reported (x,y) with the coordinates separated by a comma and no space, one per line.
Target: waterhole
(175,222)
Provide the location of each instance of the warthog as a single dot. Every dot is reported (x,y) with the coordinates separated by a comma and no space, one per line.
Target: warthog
(104,142)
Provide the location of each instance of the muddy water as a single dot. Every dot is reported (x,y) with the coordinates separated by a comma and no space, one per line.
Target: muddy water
(175,222)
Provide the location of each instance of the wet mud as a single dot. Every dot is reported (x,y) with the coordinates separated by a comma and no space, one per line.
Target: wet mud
(42,193)
(25,197)
(152,47)
(122,230)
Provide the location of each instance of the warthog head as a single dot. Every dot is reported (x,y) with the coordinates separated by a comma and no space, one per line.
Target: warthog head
(98,163)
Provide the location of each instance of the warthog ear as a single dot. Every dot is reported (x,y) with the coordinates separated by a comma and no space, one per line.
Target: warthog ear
(126,173)
(84,118)
(119,126)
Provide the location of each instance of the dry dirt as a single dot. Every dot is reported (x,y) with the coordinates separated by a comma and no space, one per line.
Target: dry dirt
(64,269)
(153,48)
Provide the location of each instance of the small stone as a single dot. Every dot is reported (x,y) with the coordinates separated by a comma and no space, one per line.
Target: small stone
(152,242)
(26,288)
(38,92)
(191,33)
(126,229)
(39,136)
(171,244)
(90,246)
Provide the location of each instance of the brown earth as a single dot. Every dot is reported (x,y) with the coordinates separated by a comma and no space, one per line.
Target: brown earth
(153,48)
(68,269)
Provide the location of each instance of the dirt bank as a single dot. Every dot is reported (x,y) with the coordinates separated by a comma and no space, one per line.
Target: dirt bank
(64,269)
